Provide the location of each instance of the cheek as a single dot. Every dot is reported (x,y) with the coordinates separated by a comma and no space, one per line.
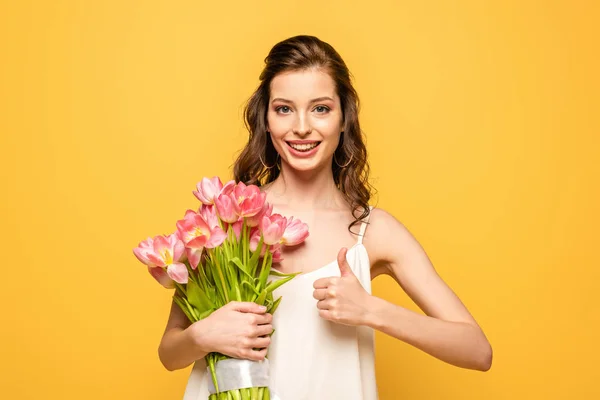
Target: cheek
(277,125)
(331,125)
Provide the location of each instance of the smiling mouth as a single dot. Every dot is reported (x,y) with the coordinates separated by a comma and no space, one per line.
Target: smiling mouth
(304,146)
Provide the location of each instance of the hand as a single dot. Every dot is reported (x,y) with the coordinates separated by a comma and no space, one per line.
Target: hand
(238,329)
(342,299)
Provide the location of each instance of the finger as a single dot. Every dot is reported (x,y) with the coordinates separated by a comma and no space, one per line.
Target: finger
(326,314)
(327,304)
(261,342)
(322,283)
(260,319)
(247,307)
(322,294)
(345,269)
(263,330)
(256,355)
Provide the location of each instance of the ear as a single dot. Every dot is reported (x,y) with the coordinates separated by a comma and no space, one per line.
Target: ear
(345,269)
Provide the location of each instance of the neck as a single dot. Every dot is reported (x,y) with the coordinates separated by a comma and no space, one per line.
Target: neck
(305,190)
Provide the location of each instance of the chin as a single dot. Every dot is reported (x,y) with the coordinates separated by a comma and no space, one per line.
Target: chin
(306,165)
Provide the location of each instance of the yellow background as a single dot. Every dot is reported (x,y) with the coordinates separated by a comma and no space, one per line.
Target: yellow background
(482,128)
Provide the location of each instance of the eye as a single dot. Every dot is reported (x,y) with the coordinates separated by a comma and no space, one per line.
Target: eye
(322,109)
(283,109)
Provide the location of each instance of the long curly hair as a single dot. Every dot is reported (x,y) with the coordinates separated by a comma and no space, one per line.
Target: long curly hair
(257,163)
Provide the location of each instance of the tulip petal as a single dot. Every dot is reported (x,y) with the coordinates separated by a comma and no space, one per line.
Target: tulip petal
(142,255)
(194,257)
(178,272)
(161,277)
(228,187)
(197,243)
(295,233)
(217,237)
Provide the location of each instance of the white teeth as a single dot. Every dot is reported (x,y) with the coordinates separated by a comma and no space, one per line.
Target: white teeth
(303,147)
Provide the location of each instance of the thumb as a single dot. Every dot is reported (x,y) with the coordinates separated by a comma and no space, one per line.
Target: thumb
(345,269)
(247,307)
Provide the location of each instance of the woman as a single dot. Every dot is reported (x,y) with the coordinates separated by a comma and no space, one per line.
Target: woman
(307,153)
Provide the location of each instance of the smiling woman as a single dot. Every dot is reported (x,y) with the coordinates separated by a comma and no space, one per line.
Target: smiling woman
(305,87)
(305,133)
(306,152)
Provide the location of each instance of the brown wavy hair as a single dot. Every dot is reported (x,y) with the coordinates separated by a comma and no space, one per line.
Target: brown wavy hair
(258,162)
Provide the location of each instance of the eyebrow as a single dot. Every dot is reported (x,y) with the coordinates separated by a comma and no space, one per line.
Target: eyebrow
(312,101)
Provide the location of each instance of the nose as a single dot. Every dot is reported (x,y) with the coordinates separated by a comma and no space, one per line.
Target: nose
(302,127)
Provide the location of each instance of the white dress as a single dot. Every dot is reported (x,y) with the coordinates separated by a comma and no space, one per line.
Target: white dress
(309,357)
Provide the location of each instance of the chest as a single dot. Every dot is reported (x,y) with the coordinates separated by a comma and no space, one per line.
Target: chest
(328,233)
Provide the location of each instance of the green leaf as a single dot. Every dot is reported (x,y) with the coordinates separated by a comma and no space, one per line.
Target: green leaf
(261,298)
(205,314)
(275,284)
(238,263)
(254,259)
(251,287)
(273,308)
(191,313)
(184,308)
(264,272)
(277,273)
(197,297)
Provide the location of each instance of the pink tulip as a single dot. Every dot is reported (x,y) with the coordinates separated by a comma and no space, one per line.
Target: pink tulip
(295,233)
(162,277)
(272,228)
(209,213)
(248,200)
(264,212)
(228,187)
(197,234)
(226,208)
(254,239)
(209,189)
(276,254)
(141,252)
(167,252)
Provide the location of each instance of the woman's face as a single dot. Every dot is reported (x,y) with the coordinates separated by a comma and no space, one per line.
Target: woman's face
(304,118)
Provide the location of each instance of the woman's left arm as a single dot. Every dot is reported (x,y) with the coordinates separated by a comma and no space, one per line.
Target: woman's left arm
(448,331)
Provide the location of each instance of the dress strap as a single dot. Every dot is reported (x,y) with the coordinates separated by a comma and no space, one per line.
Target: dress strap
(363,226)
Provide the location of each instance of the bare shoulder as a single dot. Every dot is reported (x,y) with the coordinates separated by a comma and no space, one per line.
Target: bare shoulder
(388,241)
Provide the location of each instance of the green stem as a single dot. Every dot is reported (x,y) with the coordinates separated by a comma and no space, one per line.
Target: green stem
(211,365)
(244,235)
(190,309)
(220,272)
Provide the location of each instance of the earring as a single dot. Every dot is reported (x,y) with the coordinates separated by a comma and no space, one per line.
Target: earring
(338,164)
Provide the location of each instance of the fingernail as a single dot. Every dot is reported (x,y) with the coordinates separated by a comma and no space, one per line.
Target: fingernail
(262,308)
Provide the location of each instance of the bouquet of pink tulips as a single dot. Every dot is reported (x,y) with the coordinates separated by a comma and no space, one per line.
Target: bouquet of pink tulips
(222,253)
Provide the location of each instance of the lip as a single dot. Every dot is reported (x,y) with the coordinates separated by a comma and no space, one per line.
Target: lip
(302,154)
(303,141)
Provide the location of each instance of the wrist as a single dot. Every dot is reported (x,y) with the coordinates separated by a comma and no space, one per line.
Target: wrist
(196,336)
(374,317)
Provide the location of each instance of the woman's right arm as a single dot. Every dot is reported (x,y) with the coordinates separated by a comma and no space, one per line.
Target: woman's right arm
(177,347)
(238,329)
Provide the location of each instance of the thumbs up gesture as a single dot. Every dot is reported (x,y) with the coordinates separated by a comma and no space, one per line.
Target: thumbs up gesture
(342,299)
